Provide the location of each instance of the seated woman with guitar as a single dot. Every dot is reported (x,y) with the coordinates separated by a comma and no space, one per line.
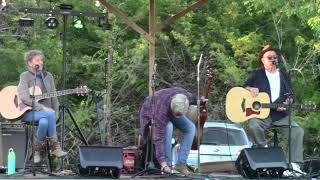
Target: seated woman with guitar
(269,79)
(44,112)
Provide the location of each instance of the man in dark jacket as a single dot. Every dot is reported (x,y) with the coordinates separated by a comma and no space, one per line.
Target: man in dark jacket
(269,79)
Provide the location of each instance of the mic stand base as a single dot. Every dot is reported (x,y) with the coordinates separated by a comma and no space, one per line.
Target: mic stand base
(81,136)
(62,113)
(294,172)
(147,171)
(34,172)
(149,166)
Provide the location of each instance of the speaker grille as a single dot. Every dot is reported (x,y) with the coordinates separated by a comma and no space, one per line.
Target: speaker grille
(13,136)
(261,162)
(100,156)
(265,157)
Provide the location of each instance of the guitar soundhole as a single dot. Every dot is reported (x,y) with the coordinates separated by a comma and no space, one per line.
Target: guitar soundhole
(256,105)
(16,100)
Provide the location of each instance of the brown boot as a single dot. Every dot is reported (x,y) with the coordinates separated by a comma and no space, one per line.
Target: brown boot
(55,147)
(38,147)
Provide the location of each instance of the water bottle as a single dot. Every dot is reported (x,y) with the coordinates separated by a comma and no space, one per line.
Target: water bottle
(11,162)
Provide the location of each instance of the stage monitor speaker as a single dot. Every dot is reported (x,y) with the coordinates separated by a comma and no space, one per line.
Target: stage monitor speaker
(13,136)
(312,166)
(261,162)
(100,161)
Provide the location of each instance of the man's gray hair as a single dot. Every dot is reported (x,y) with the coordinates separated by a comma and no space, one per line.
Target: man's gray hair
(179,105)
(32,53)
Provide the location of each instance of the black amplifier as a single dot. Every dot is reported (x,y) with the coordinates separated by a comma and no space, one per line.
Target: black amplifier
(13,135)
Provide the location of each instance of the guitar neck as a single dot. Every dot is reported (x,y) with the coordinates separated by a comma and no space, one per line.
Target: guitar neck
(56,94)
(295,106)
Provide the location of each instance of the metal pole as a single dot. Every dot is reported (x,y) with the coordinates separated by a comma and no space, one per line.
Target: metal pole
(198,111)
(64,50)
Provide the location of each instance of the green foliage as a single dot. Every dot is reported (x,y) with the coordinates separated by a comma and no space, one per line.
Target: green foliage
(314,23)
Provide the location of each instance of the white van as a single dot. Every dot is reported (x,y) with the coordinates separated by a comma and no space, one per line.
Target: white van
(220,142)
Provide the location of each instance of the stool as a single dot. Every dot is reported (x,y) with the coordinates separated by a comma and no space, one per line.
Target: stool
(29,126)
(275,136)
(275,129)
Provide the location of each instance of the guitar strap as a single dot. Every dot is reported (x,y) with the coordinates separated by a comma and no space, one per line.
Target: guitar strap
(42,76)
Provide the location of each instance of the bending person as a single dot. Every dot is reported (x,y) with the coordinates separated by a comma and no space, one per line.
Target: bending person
(169,107)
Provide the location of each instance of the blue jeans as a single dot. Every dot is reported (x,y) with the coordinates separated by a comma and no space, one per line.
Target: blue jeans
(46,122)
(188,129)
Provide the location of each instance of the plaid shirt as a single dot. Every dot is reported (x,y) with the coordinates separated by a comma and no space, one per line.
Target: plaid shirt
(162,115)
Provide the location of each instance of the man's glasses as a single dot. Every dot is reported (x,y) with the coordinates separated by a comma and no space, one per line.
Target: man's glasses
(272,57)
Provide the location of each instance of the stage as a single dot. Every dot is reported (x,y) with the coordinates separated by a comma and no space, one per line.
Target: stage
(205,176)
(126,176)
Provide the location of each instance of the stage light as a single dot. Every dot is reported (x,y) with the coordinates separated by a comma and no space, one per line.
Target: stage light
(66,6)
(26,22)
(52,22)
(3,3)
(104,23)
(78,24)
(106,26)
(97,4)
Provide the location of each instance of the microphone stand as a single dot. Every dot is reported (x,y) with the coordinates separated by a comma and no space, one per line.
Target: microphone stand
(289,95)
(149,165)
(33,120)
(104,122)
(198,108)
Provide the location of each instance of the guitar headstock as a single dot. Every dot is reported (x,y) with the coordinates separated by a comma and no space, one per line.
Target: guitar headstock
(209,71)
(310,106)
(82,90)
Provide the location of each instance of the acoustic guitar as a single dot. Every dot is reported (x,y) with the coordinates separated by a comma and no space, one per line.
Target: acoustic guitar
(241,106)
(11,106)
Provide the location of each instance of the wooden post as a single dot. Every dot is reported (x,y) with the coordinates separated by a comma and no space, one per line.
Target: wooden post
(153,28)
(152,45)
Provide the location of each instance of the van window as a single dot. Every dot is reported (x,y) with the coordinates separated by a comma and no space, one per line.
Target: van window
(223,136)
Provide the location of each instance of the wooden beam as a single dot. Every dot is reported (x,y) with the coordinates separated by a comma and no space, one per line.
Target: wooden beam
(129,22)
(179,15)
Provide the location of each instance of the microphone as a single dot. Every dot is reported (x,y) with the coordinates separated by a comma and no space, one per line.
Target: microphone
(155,68)
(275,62)
(36,67)
(153,77)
